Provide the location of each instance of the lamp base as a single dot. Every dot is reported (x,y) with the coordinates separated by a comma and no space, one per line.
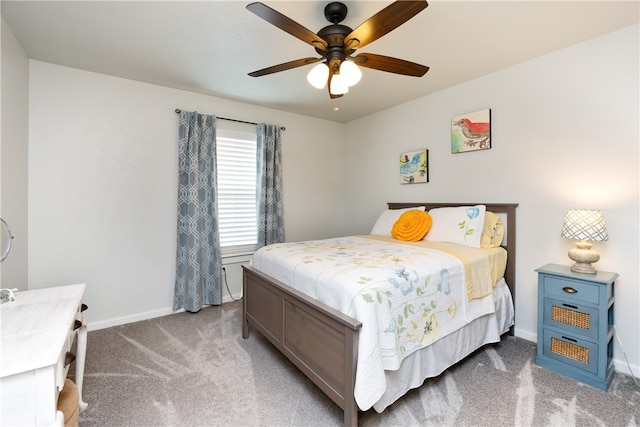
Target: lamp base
(583,255)
(583,268)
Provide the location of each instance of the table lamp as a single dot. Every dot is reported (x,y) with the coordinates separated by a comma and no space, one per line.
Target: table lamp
(584,225)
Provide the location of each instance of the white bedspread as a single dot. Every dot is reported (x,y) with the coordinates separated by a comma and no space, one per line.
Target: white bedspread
(406,296)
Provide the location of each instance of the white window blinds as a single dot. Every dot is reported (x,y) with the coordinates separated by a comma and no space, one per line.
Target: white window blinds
(237,210)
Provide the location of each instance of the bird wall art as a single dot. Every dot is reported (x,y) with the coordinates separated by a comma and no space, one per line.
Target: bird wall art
(471,131)
(414,167)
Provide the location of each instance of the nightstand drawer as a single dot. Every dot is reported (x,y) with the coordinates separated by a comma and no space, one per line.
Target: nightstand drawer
(570,350)
(576,319)
(571,290)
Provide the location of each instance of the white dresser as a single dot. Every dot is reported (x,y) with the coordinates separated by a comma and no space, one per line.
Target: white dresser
(37,331)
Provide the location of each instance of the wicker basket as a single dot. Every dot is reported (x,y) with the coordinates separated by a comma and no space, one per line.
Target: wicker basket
(68,404)
(570,350)
(570,317)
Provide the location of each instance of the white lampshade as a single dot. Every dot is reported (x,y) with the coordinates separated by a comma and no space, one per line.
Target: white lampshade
(337,85)
(318,76)
(584,225)
(350,73)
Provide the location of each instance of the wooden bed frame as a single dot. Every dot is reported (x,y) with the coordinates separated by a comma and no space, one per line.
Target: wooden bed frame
(321,341)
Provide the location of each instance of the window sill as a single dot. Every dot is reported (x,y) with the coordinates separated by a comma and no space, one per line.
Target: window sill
(232,257)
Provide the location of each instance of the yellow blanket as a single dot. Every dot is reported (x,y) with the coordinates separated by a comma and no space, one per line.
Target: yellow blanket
(476,262)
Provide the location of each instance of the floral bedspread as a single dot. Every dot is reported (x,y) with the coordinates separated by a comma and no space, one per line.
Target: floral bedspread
(406,297)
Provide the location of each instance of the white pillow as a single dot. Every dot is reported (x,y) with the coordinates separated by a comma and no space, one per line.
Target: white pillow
(462,225)
(387,218)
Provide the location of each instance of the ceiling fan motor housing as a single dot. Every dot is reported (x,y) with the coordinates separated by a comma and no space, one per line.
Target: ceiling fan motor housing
(334,36)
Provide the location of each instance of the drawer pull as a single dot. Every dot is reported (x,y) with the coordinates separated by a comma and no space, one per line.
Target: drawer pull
(569,290)
(69,358)
(570,306)
(569,339)
(77,324)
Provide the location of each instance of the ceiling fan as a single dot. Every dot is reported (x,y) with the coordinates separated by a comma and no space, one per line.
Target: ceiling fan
(336,44)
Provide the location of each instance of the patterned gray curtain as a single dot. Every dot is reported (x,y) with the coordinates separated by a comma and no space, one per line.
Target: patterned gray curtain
(198,270)
(269,177)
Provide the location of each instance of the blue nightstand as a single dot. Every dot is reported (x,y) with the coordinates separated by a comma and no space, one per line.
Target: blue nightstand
(575,323)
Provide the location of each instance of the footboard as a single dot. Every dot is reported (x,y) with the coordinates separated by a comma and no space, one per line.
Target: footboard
(321,341)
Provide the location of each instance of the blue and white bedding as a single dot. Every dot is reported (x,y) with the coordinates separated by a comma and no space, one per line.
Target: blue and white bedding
(407,295)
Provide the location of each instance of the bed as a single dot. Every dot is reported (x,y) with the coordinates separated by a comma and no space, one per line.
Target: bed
(334,350)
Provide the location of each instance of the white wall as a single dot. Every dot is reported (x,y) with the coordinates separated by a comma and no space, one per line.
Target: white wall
(103,186)
(565,135)
(13,156)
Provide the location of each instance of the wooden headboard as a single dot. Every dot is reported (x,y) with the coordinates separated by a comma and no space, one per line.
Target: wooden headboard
(509,209)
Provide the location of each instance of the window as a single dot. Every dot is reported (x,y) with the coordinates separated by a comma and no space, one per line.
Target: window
(237,210)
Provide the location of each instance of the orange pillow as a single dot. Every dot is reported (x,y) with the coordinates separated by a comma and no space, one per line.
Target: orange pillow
(412,226)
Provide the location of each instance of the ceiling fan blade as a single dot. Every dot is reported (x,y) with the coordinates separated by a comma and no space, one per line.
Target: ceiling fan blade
(390,65)
(285,66)
(287,24)
(388,19)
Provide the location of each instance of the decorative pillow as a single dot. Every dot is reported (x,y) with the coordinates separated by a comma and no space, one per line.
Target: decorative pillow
(461,224)
(411,226)
(493,232)
(389,217)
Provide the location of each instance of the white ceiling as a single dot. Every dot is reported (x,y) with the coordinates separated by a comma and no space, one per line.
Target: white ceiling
(210,46)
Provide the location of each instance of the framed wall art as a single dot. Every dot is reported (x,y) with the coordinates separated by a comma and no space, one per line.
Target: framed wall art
(471,132)
(414,167)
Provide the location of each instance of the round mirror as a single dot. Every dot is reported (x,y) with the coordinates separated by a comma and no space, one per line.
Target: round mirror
(5,239)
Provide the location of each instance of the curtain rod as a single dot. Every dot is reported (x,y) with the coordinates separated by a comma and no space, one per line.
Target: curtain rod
(178,111)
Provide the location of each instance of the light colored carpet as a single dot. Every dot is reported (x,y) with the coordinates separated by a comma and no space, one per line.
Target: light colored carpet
(196,370)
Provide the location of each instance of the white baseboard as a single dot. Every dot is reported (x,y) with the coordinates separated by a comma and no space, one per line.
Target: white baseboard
(236,297)
(94,326)
(525,335)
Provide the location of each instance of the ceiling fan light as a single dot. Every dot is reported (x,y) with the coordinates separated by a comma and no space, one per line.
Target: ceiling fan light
(337,85)
(318,76)
(350,73)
